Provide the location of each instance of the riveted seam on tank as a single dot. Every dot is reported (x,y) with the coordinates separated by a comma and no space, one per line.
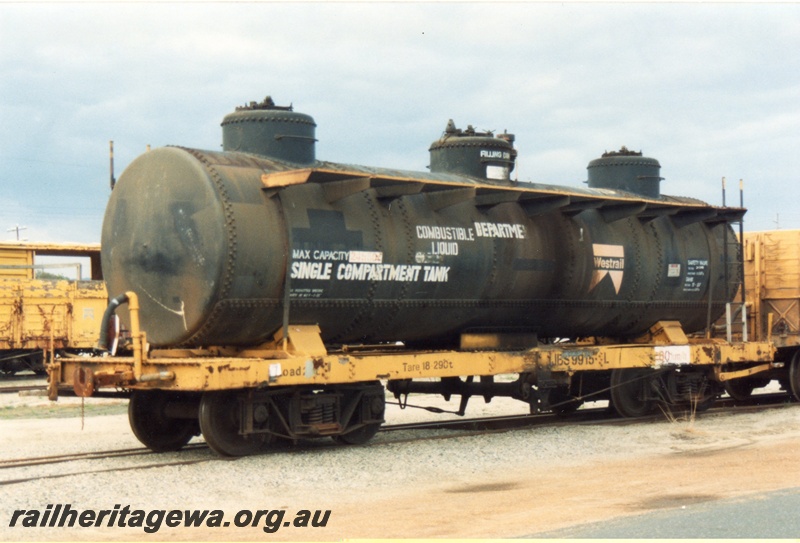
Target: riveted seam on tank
(570,249)
(261,119)
(230,230)
(510,304)
(660,266)
(450,144)
(367,305)
(395,305)
(637,254)
(624,163)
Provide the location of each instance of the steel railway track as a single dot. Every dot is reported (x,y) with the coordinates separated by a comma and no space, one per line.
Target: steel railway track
(20,463)
(583,416)
(22,388)
(19,383)
(461,428)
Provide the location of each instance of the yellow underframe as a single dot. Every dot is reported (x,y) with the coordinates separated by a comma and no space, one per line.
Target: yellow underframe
(282,368)
(297,356)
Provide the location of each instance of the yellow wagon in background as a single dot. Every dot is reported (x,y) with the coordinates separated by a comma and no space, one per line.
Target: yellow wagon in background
(52,299)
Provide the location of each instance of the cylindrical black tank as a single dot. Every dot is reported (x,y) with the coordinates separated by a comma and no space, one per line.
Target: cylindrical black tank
(207,249)
(271,131)
(477,154)
(626,170)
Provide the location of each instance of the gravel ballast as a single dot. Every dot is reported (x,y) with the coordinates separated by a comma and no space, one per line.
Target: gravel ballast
(458,485)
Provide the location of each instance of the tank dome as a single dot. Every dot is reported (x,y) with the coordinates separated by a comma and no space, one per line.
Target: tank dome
(271,131)
(626,170)
(477,154)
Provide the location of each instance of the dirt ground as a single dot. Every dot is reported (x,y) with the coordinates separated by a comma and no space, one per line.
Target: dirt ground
(530,501)
(652,466)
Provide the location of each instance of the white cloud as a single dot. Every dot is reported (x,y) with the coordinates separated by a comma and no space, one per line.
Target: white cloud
(708,89)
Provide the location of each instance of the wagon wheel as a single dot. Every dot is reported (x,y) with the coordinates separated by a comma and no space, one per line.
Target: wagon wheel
(739,389)
(35,363)
(360,436)
(704,402)
(368,430)
(794,377)
(220,414)
(151,425)
(562,402)
(629,392)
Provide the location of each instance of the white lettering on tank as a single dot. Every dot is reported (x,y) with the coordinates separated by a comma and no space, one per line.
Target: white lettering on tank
(311,270)
(499,230)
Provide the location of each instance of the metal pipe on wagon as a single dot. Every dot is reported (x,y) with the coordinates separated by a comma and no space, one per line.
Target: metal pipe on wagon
(113,304)
(741,238)
(137,336)
(136,333)
(744,323)
(769,327)
(728,322)
(723,192)
(111,160)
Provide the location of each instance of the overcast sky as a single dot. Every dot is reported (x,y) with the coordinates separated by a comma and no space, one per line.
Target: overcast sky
(710,90)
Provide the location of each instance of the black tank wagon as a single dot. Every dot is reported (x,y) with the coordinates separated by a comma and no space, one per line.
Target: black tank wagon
(213,241)
(261,274)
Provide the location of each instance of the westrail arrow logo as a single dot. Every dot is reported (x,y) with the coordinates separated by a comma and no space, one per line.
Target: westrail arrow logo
(608,260)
